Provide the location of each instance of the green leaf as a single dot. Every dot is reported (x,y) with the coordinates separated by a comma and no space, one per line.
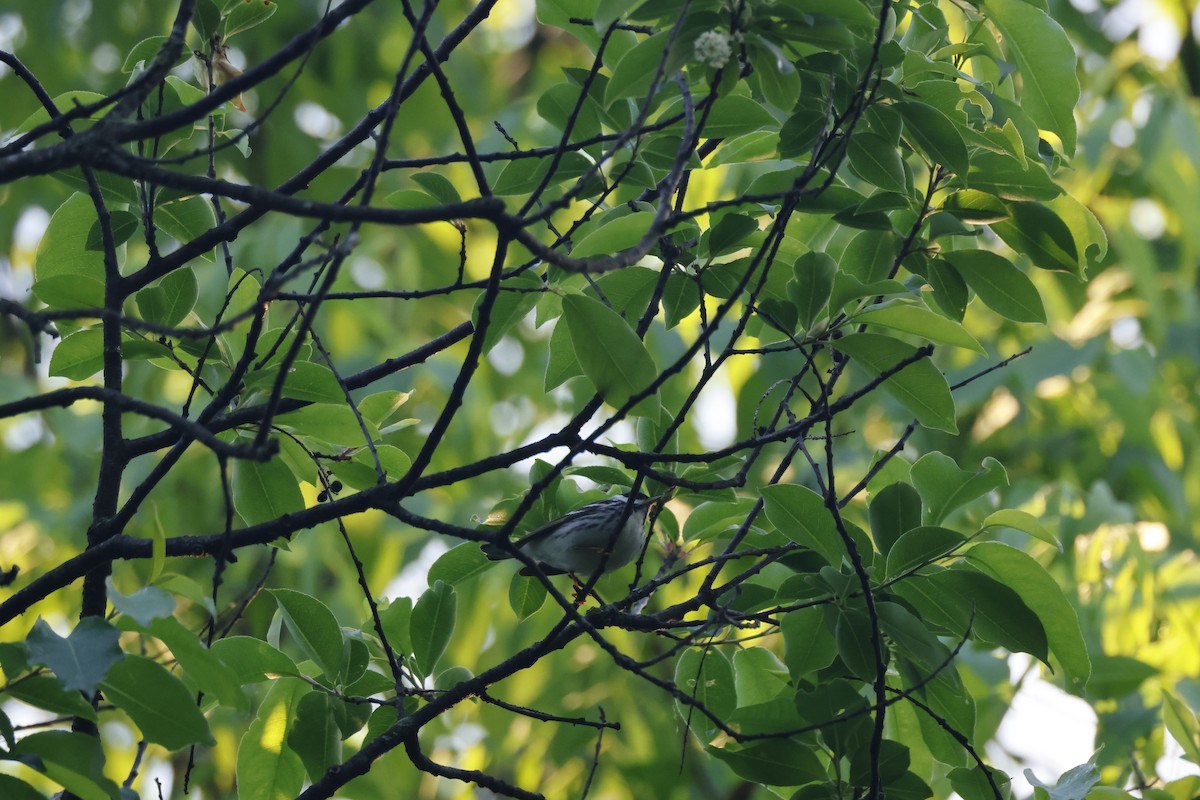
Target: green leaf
(47,693)
(919,387)
(922,322)
(634,73)
(612,356)
(509,308)
(800,514)
(1041,593)
(1114,677)
(381,408)
(253,660)
(949,288)
(526,594)
(315,735)
(525,175)
(459,564)
(202,669)
(263,491)
(855,644)
(1038,232)
(1047,63)
(143,606)
(432,624)
(267,768)
(81,659)
(808,644)
(185,220)
(122,224)
(946,598)
(893,760)
(735,115)
(972,784)
(937,136)
(1182,725)
(811,285)
(438,186)
(680,298)
(169,302)
(743,149)
(305,381)
(1004,288)
(68,274)
(705,675)
(79,356)
(1074,784)
(16,789)
(920,546)
(1021,521)
(562,364)
(758,677)
(1004,176)
(876,161)
(332,423)
(773,762)
(315,630)
(143,53)
(729,234)
(73,760)
(895,510)
(944,487)
(158,703)
(614,235)
(244,15)
(64,101)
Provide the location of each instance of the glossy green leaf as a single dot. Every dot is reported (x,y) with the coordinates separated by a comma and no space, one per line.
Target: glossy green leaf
(800,514)
(706,676)
(1038,232)
(610,353)
(253,660)
(920,546)
(1046,60)
(1004,288)
(1009,179)
(774,762)
(874,160)
(1182,723)
(634,73)
(315,736)
(458,564)
(81,659)
(811,285)
(122,225)
(67,273)
(944,487)
(73,760)
(855,644)
(263,491)
(315,629)
(513,303)
(1074,783)
(895,510)
(526,595)
(759,676)
(171,300)
(1021,521)
(158,703)
(267,768)
(919,386)
(438,186)
(808,643)
(915,319)
(938,137)
(614,235)
(946,598)
(305,381)
(244,16)
(433,620)
(1042,594)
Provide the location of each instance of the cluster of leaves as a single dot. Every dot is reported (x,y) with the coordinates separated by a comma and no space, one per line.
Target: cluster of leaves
(812,220)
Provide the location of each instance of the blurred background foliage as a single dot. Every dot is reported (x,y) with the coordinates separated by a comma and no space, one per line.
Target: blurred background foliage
(1098,426)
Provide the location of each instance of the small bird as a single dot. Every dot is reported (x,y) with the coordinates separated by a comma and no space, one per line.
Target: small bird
(579,541)
(223,69)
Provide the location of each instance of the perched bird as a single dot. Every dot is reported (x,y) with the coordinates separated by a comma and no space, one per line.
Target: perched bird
(578,541)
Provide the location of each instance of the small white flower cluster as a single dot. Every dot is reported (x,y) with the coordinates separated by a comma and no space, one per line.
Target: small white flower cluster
(713,49)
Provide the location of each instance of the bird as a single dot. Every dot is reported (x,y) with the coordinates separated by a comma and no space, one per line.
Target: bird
(581,541)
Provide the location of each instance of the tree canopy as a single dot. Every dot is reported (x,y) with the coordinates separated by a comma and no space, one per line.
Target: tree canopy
(894,306)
